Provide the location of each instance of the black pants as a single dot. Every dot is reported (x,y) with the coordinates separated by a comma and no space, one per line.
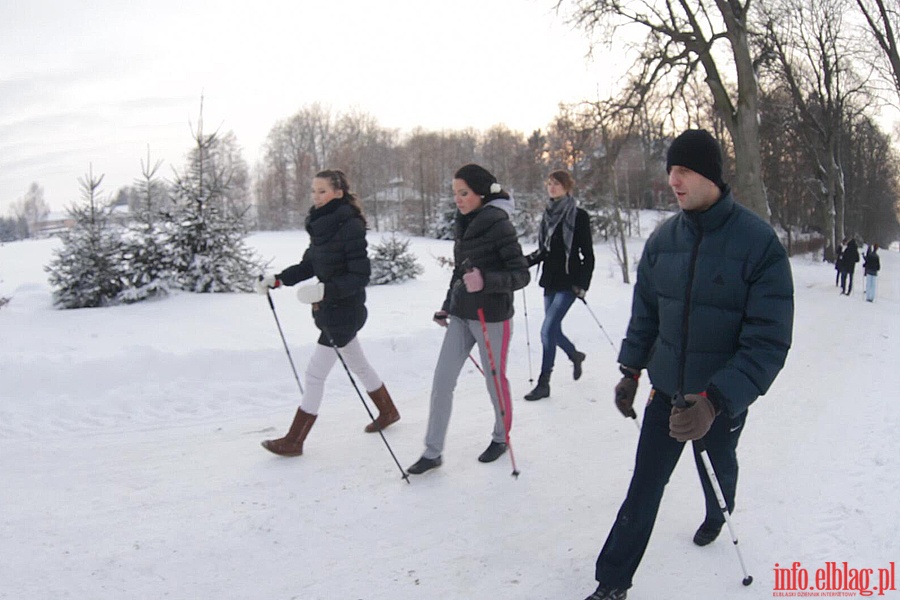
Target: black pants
(844,276)
(657,455)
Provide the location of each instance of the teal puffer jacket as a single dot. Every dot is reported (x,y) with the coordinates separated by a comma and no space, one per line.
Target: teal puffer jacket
(713,306)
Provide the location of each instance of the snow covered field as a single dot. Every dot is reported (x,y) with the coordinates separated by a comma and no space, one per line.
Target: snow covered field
(130,464)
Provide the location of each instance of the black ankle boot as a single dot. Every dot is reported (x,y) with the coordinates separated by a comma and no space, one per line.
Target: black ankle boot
(577,358)
(542,389)
(607,593)
(707,533)
(424,464)
(494,451)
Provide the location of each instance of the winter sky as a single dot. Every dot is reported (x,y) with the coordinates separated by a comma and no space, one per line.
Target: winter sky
(98,81)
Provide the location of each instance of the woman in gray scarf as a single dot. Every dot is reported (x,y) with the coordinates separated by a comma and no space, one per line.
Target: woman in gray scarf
(566,250)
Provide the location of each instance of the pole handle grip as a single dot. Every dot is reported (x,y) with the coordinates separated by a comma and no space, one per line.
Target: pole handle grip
(678,400)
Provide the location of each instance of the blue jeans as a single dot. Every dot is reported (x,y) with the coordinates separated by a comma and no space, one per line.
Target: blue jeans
(871,284)
(556,305)
(657,455)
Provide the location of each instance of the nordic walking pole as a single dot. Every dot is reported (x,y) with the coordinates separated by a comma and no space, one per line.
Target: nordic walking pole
(283,341)
(504,410)
(475,362)
(443,319)
(679,401)
(588,306)
(340,356)
(527,338)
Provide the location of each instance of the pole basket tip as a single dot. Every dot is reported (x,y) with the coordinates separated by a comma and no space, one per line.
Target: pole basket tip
(747,580)
(515,474)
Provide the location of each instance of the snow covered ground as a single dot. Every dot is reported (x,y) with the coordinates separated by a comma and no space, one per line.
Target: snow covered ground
(130,464)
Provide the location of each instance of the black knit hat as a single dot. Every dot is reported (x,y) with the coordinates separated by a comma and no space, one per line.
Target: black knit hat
(699,151)
(477,178)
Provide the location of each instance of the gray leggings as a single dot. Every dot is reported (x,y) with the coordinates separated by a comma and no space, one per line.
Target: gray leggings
(461,336)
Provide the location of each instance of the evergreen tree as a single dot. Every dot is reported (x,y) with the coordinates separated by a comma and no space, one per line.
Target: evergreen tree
(443,225)
(144,251)
(392,262)
(13,228)
(86,271)
(203,233)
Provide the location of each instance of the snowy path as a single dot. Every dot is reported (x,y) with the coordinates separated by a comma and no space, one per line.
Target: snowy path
(131,466)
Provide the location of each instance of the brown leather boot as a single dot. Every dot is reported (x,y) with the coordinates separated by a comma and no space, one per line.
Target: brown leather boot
(292,443)
(387,412)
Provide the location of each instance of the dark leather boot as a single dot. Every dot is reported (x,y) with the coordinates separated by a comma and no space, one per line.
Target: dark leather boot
(577,358)
(542,389)
(292,443)
(708,532)
(387,412)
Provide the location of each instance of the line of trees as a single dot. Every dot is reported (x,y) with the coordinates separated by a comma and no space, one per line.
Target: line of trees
(809,66)
(791,87)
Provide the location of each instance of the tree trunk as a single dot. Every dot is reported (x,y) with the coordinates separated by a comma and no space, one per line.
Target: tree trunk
(742,118)
(750,190)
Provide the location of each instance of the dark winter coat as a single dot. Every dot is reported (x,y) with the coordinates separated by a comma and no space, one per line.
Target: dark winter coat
(554,275)
(713,306)
(486,239)
(872,263)
(337,256)
(849,257)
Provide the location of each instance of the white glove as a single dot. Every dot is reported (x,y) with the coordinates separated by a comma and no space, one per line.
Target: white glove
(311,293)
(264,284)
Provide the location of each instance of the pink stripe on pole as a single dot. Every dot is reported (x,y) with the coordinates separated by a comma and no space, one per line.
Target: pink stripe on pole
(505,398)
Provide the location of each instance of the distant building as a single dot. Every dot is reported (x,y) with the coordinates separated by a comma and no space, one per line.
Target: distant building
(54,223)
(388,206)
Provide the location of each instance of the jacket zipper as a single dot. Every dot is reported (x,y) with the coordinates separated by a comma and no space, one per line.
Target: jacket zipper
(685,321)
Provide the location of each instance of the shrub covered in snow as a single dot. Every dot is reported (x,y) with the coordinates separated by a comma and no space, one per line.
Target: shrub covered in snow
(87,271)
(392,262)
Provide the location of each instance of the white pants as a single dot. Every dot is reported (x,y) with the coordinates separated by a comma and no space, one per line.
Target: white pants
(320,365)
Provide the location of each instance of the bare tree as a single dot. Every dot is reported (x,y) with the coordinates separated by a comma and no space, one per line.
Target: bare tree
(682,37)
(362,148)
(884,24)
(873,182)
(32,207)
(814,58)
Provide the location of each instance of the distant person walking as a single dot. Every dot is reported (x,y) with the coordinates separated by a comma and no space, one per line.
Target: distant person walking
(837,263)
(489,267)
(871,266)
(337,257)
(848,260)
(566,253)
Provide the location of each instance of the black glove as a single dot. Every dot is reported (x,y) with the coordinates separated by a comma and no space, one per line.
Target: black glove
(626,390)
(534,258)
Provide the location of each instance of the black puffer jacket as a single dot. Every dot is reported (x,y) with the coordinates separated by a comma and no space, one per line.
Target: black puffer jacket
(337,256)
(849,257)
(554,275)
(485,238)
(872,263)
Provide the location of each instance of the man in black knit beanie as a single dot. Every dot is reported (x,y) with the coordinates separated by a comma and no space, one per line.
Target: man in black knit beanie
(711,322)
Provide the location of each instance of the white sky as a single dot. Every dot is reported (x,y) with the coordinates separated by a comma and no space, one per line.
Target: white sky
(86,82)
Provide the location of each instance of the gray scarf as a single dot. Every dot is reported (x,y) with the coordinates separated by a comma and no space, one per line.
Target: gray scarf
(562,211)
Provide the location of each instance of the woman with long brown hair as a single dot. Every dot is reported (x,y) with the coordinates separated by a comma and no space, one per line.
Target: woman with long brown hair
(337,258)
